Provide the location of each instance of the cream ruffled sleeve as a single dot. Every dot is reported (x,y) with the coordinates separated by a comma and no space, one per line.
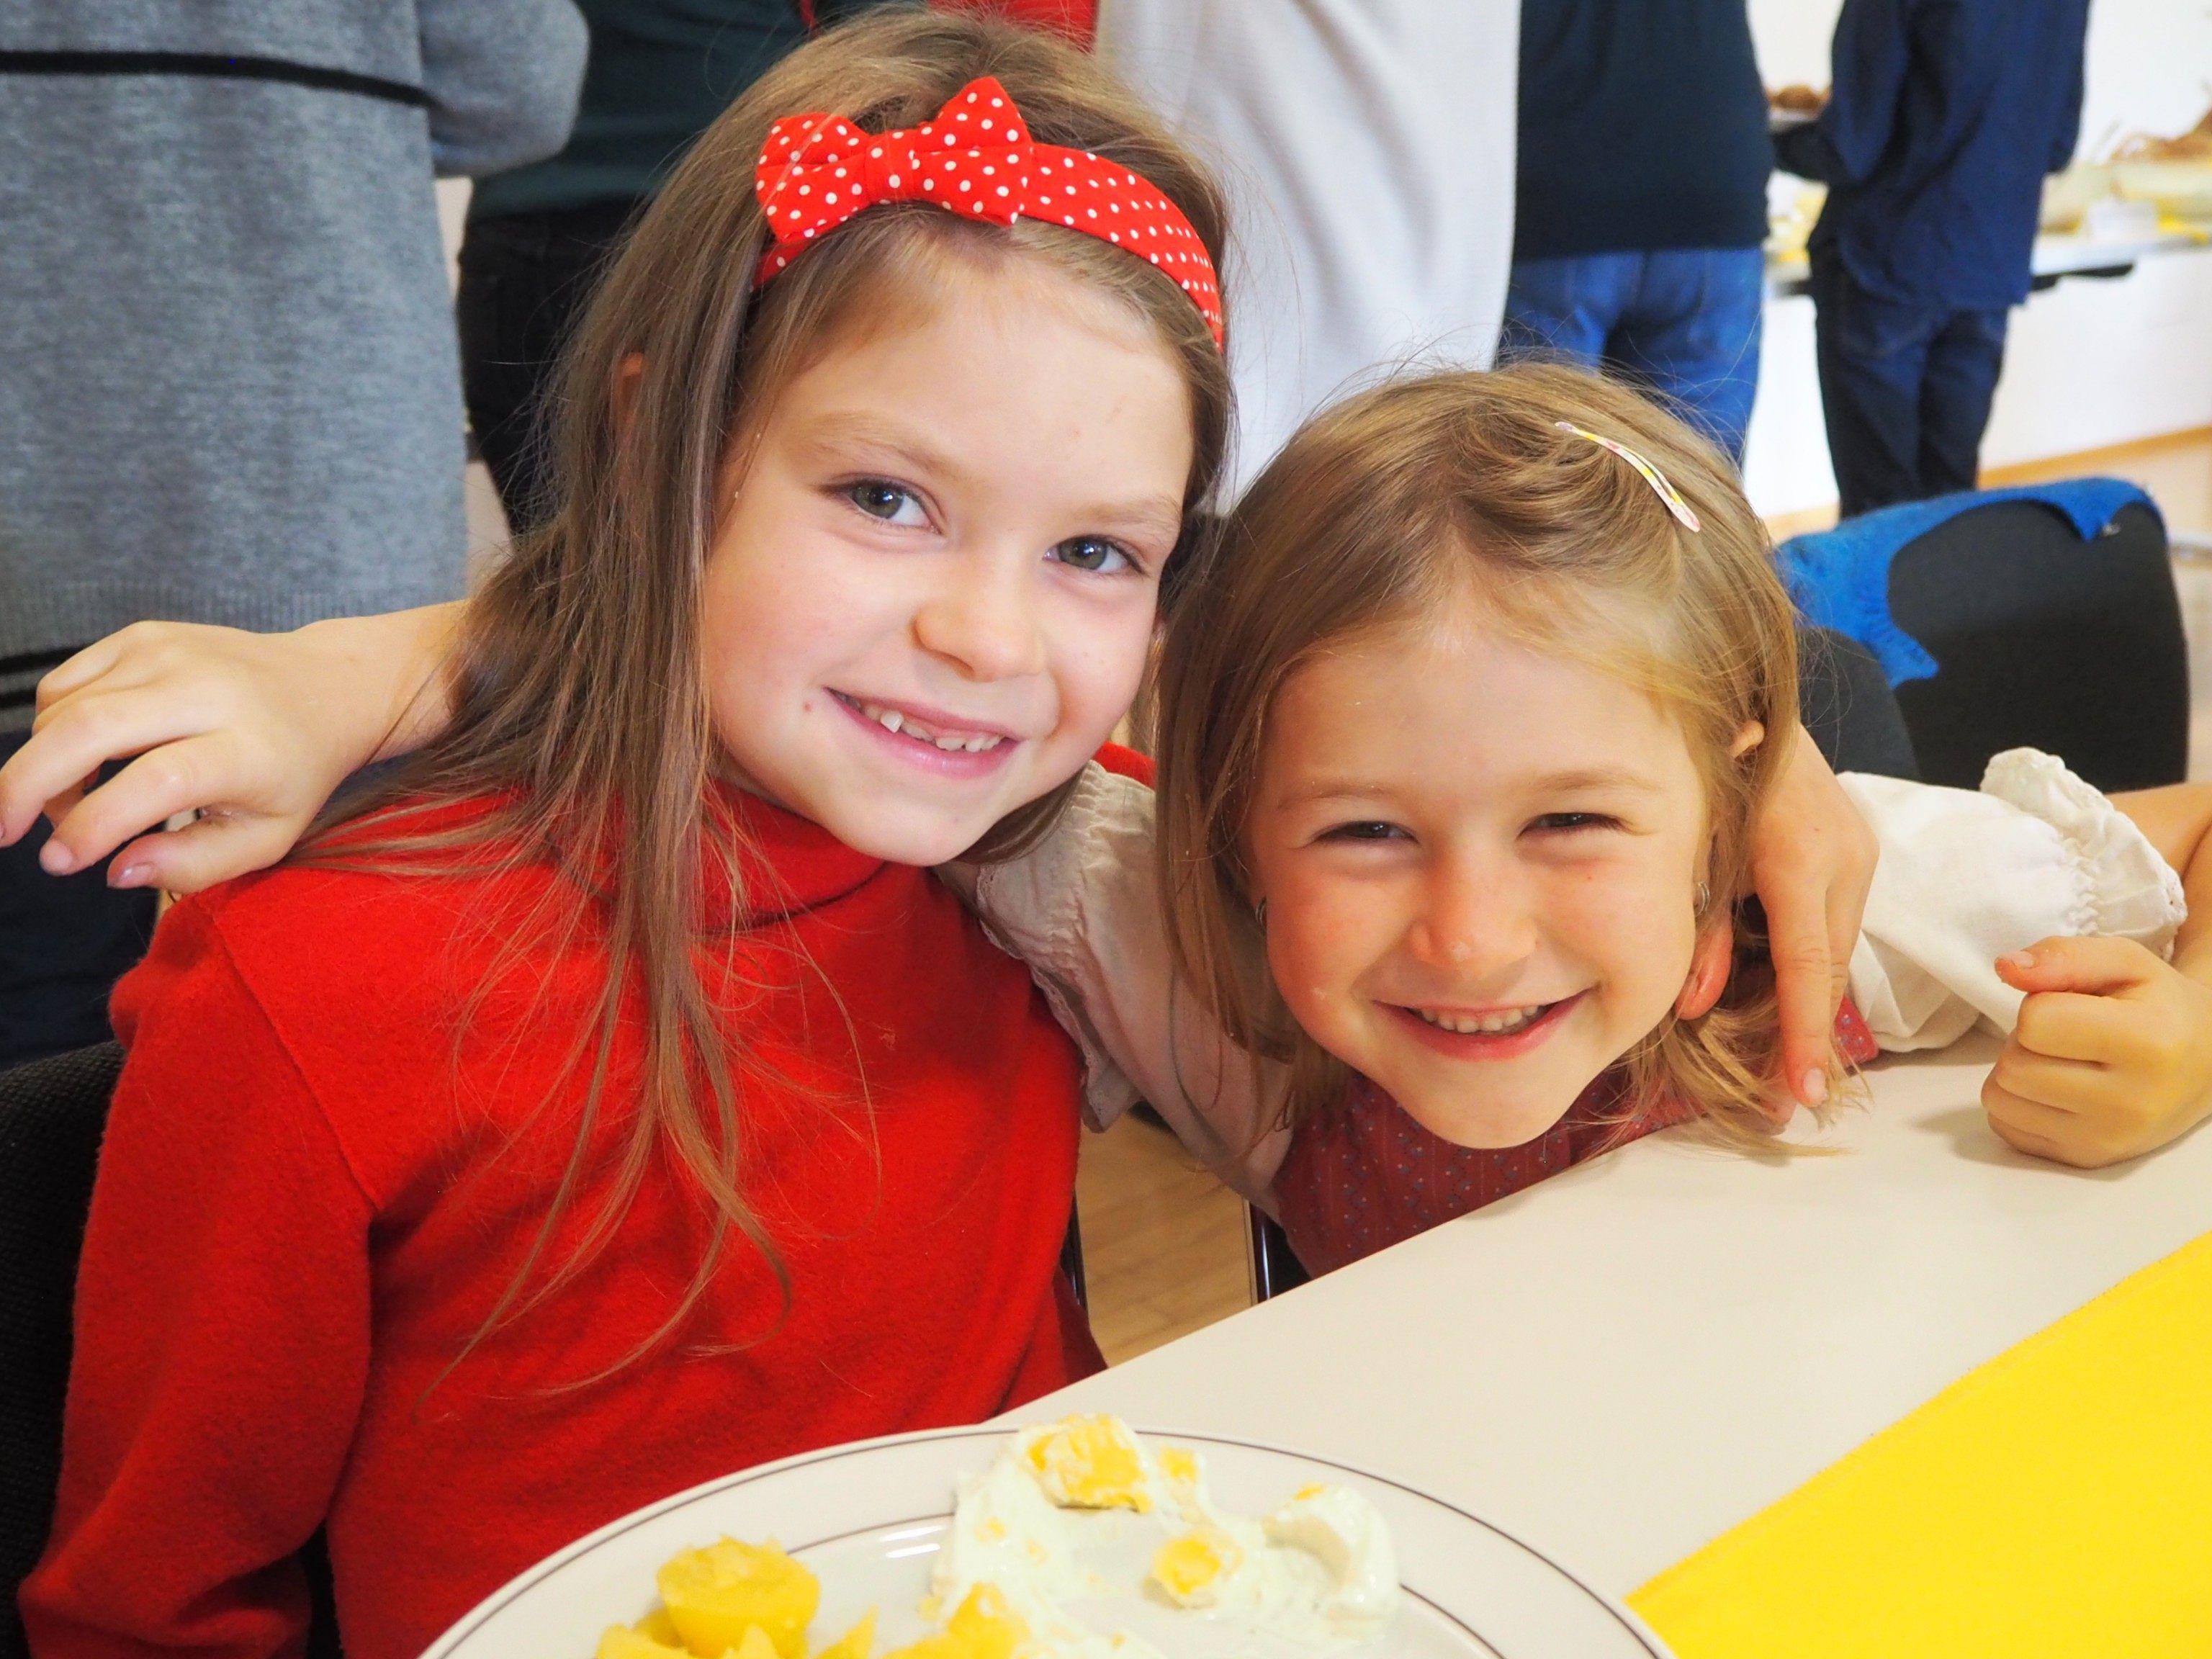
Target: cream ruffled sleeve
(1082,909)
(1966,877)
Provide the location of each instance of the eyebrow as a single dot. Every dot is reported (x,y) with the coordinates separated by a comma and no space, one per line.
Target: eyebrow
(855,426)
(1587,777)
(1598,777)
(1161,514)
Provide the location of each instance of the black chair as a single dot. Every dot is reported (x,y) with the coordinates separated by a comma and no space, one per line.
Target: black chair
(2045,639)
(2041,639)
(53,1113)
(1847,709)
(1071,1259)
(1275,1266)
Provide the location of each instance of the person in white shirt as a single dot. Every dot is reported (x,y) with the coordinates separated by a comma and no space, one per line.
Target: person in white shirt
(1368,149)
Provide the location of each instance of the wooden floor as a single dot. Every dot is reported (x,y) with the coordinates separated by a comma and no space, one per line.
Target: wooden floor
(1163,1242)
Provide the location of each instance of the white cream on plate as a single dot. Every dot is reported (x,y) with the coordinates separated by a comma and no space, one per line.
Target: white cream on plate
(1319,1569)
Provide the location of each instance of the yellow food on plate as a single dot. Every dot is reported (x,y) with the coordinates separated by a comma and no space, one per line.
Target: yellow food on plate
(1190,1568)
(1090,1463)
(1320,1567)
(621,1642)
(714,1595)
(981,1628)
(854,1644)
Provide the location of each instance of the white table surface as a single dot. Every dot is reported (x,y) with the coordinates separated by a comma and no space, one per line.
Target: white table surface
(1620,1364)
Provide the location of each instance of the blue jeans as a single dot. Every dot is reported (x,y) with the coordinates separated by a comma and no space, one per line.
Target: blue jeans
(1906,388)
(1682,322)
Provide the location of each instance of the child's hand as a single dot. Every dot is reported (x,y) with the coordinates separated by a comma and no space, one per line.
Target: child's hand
(1812,864)
(252,730)
(2111,1057)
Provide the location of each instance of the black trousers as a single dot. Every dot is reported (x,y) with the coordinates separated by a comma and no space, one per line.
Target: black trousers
(525,278)
(63,943)
(1905,388)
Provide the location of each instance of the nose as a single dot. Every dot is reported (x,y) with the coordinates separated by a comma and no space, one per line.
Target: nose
(984,618)
(1477,920)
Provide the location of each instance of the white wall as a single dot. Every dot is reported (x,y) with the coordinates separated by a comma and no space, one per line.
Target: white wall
(452,211)
(2087,364)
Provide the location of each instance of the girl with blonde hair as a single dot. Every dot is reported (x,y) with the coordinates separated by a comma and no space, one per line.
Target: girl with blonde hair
(1463,733)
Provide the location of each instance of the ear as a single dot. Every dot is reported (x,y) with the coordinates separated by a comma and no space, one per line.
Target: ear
(1748,738)
(627,377)
(1708,967)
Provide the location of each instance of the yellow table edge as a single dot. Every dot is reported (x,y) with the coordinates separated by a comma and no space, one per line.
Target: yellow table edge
(2056,1500)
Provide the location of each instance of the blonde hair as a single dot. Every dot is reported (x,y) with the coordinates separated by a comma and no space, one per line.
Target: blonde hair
(581,715)
(1382,509)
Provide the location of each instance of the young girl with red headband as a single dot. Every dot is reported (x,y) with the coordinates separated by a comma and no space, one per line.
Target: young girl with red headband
(613,1099)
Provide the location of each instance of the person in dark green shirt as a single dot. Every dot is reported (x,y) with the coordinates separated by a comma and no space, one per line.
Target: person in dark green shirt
(659,73)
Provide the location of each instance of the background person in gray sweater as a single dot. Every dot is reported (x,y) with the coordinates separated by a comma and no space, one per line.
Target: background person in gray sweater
(231,392)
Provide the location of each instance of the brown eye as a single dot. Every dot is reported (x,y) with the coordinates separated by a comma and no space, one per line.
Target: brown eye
(1558,821)
(886,502)
(1365,830)
(1093,553)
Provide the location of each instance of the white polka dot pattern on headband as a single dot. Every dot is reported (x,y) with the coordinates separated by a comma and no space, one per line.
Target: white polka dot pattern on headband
(976,159)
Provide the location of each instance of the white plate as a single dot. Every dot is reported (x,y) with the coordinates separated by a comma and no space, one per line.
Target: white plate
(866,1518)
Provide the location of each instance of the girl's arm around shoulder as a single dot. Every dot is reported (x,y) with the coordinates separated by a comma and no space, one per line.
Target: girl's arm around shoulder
(1082,909)
(2050,911)
(253,732)
(2111,1055)
(1967,877)
(221,1332)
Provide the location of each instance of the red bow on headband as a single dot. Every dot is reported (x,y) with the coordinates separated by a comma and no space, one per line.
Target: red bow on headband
(976,159)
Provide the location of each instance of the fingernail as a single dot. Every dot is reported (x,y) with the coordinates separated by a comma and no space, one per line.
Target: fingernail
(1816,1087)
(128,875)
(56,859)
(2018,961)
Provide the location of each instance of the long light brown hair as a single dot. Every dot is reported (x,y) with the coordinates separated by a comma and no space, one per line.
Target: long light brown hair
(1381,510)
(582,719)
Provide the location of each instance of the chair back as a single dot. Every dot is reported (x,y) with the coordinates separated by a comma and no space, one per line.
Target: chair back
(2043,617)
(1275,1267)
(2045,639)
(53,1115)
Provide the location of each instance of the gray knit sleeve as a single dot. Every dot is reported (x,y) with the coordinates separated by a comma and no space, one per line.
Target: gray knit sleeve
(503,77)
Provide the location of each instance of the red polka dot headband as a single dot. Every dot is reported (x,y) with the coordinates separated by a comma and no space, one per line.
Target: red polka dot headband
(976,159)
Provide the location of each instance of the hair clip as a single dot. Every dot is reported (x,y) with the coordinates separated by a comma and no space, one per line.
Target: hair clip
(1651,475)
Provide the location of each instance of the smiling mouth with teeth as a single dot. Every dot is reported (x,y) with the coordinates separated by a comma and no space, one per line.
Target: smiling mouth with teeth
(1503,1022)
(905,726)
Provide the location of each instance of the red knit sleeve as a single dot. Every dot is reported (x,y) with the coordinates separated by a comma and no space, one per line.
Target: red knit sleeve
(222,1323)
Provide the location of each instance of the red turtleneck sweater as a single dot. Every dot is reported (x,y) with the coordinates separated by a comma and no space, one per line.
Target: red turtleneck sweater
(324,1166)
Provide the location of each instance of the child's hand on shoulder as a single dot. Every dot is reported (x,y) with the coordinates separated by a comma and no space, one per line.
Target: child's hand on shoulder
(2112,1056)
(251,731)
